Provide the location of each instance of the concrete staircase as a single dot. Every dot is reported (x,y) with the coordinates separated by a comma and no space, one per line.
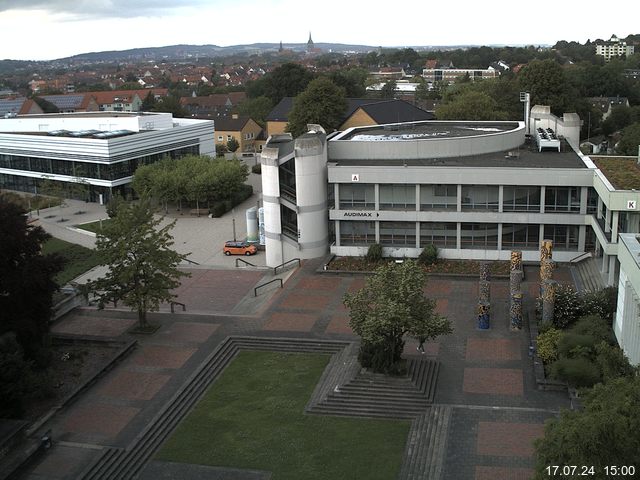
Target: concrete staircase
(586,275)
(375,395)
(424,454)
(344,389)
(121,464)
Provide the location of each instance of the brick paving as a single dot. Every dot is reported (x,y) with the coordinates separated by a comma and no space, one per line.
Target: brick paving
(494,381)
(134,385)
(484,375)
(503,473)
(507,439)
(495,349)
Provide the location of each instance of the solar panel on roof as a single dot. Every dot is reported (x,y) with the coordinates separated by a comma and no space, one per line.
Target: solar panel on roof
(66,101)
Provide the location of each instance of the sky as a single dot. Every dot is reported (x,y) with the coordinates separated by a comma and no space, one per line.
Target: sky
(50,29)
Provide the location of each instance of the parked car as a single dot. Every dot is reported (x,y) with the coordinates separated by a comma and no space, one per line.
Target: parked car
(239,248)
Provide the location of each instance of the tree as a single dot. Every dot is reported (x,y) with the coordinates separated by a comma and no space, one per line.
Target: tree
(26,281)
(388,90)
(548,85)
(149,103)
(322,102)
(353,80)
(606,432)
(172,105)
(142,266)
(256,109)
(630,141)
(470,105)
(391,305)
(288,80)
(233,145)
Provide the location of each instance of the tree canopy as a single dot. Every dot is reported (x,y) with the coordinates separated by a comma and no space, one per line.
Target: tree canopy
(470,105)
(630,141)
(606,432)
(322,102)
(548,84)
(142,265)
(288,80)
(392,304)
(26,281)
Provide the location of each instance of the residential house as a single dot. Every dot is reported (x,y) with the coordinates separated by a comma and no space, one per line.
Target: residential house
(212,106)
(13,106)
(606,104)
(72,103)
(245,130)
(359,112)
(126,100)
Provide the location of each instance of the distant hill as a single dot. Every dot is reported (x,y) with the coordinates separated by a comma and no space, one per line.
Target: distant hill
(188,51)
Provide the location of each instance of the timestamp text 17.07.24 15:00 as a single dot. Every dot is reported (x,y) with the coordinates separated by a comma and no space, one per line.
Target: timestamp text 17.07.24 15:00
(589,470)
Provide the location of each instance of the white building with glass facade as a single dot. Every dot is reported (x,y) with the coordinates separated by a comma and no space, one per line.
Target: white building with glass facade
(101,149)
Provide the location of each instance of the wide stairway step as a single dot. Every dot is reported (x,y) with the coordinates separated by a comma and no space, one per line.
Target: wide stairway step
(426,446)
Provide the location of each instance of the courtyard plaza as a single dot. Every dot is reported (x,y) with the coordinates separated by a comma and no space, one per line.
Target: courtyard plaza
(485,378)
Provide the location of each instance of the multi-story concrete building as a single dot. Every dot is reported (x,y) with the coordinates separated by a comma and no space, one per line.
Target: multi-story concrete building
(450,75)
(626,325)
(99,149)
(614,48)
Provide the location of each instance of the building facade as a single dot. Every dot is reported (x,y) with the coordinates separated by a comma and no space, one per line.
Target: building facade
(101,150)
(627,323)
(614,48)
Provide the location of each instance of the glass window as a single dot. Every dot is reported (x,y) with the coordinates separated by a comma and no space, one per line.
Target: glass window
(521,199)
(398,234)
(520,236)
(439,234)
(41,165)
(438,197)
(564,237)
(357,233)
(562,199)
(480,197)
(289,220)
(479,235)
(357,196)
(62,167)
(592,201)
(397,197)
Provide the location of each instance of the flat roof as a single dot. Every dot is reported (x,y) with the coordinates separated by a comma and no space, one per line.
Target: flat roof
(425,131)
(526,156)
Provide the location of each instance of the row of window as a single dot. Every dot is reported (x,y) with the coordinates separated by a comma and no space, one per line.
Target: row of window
(473,197)
(445,235)
(100,171)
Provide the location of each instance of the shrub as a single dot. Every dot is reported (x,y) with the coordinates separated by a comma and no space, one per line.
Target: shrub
(602,303)
(257,168)
(568,306)
(374,254)
(429,255)
(572,345)
(547,345)
(612,362)
(577,372)
(217,209)
(377,357)
(594,326)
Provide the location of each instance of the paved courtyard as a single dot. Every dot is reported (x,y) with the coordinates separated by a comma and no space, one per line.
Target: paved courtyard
(485,376)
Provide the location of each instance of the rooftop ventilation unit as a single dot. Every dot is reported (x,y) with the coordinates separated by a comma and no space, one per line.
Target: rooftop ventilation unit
(547,139)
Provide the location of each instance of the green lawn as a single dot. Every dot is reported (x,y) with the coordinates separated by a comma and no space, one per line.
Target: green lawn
(77,259)
(93,226)
(253,418)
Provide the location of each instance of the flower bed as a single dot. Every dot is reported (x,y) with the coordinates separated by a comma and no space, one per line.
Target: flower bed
(442,266)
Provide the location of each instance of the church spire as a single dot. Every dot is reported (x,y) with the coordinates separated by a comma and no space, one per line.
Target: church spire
(310,45)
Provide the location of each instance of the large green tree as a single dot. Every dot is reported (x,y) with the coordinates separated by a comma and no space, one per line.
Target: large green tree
(143,267)
(322,102)
(392,304)
(606,432)
(548,84)
(470,105)
(288,80)
(630,141)
(26,281)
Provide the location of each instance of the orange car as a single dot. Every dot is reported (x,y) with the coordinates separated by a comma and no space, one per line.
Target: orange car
(239,248)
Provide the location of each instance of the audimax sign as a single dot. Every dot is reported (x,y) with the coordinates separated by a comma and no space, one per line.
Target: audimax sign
(361,214)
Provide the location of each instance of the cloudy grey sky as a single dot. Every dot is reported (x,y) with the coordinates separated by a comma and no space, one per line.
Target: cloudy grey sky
(48,29)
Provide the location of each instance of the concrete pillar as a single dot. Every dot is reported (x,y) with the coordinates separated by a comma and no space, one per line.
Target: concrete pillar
(459,199)
(543,192)
(417,197)
(499,236)
(582,237)
(584,192)
(336,195)
(500,200)
(458,235)
(515,311)
(417,234)
(599,210)
(614,226)
(611,279)
(605,262)
(337,232)
(376,194)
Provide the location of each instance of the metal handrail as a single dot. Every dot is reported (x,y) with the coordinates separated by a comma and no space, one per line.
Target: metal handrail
(579,257)
(255,290)
(282,265)
(173,304)
(244,261)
